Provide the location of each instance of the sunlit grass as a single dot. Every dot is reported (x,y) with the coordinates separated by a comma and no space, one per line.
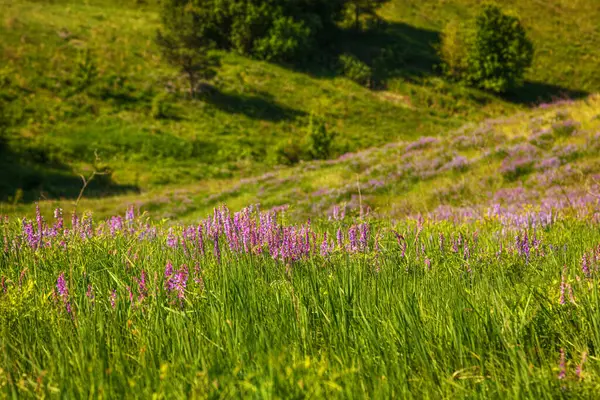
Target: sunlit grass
(446,311)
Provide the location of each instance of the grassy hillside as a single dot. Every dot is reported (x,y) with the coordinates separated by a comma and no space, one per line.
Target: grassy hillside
(81,78)
(547,157)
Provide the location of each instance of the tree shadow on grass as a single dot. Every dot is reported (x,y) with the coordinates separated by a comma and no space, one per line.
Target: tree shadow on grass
(398,50)
(535,93)
(25,180)
(260,106)
(390,49)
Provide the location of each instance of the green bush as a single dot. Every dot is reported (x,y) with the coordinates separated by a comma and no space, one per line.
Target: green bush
(277,30)
(356,70)
(492,53)
(287,40)
(319,139)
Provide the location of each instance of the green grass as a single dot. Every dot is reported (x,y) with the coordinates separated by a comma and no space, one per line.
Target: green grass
(234,133)
(401,179)
(474,317)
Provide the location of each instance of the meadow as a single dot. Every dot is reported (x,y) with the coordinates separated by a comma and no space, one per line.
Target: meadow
(249,305)
(159,245)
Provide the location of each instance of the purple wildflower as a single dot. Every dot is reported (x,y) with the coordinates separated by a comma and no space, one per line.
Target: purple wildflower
(61,286)
(58,215)
(130,214)
(39,219)
(113,298)
(563,285)
(364,236)
(177,282)
(562,368)
(171,239)
(63,291)
(340,238)
(74,221)
(90,293)
(130,295)
(217,249)
(200,239)
(336,212)
(168,269)
(585,266)
(324,246)
(28,231)
(142,288)
(352,238)
(421,143)
(579,369)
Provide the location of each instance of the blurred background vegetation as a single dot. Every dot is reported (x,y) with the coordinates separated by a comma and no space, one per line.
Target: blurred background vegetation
(88,85)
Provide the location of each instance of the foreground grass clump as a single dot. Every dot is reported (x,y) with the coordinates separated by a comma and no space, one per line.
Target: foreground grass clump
(246,305)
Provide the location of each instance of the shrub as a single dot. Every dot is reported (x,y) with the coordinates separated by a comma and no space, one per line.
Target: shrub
(356,70)
(499,51)
(492,53)
(277,30)
(287,40)
(319,139)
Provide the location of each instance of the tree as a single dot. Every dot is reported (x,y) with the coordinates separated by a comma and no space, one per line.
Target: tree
(276,30)
(492,52)
(187,40)
(499,51)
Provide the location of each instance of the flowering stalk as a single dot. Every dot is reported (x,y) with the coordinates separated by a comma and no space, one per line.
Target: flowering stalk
(562,369)
(63,292)
(113,298)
